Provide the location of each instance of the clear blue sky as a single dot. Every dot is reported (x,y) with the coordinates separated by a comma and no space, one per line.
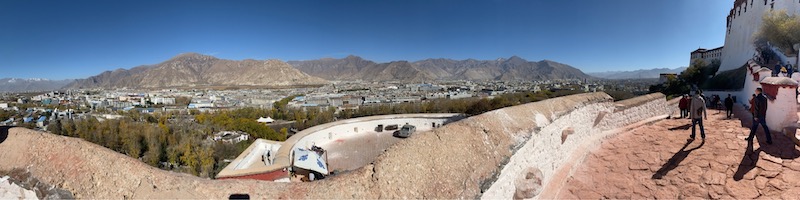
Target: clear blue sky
(78,38)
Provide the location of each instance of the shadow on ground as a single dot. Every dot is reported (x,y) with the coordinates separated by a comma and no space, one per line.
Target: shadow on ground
(781,147)
(4,133)
(676,159)
(681,127)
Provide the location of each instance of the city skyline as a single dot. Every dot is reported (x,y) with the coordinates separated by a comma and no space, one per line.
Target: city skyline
(58,40)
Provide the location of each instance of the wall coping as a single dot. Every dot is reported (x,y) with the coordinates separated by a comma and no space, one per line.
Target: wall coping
(637,101)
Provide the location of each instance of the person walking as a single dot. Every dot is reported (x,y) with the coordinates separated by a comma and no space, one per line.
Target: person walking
(752,102)
(697,112)
(759,116)
(683,104)
(729,106)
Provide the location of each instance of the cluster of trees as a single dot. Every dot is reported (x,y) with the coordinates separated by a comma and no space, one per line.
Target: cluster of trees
(697,74)
(234,121)
(469,106)
(6,114)
(177,146)
(781,30)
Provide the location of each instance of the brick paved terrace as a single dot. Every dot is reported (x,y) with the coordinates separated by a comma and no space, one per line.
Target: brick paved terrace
(658,161)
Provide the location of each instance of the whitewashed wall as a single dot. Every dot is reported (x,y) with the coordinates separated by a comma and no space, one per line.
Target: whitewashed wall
(739,41)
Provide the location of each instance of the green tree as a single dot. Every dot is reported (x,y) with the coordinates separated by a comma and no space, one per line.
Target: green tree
(55,127)
(779,29)
(700,71)
(183,101)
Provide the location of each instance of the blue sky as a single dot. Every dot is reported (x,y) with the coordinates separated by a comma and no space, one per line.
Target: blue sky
(77,39)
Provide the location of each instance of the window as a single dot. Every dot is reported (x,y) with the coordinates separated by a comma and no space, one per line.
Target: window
(751,2)
(765,2)
(772,6)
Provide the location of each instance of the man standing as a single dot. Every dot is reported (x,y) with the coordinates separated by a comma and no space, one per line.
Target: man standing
(759,116)
(697,112)
(729,106)
(684,106)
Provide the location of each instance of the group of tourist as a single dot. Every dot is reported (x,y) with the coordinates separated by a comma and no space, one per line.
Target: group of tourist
(715,103)
(694,106)
(763,57)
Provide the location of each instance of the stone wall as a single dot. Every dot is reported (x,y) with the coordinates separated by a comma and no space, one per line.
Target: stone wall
(782,92)
(562,144)
(471,158)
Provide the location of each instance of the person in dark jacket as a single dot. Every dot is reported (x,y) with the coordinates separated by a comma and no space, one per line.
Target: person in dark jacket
(729,106)
(752,102)
(684,106)
(759,116)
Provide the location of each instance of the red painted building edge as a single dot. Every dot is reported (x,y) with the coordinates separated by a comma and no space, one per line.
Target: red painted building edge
(266,176)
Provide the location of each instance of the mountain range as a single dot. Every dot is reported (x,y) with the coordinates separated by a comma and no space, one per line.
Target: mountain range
(513,68)
(636,74)
(197,70)
(31,84)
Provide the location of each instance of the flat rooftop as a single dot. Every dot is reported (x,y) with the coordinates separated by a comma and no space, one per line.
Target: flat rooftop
(657,161)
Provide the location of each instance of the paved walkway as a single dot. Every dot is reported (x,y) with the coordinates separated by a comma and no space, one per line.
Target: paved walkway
(657,161)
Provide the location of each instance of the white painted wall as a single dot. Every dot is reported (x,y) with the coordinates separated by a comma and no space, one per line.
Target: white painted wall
(546,152)
(739,41)
(782,112)
(255,155)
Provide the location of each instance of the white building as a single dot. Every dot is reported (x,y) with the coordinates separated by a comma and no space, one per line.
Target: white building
(230,136)
(3,105)
(744,20)
(201,105)
(706,55)
(164,100)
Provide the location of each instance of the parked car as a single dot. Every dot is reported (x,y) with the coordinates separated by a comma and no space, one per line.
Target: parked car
(405,131)
(391,127)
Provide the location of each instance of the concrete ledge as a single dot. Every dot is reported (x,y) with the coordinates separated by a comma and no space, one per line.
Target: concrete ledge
(628,103)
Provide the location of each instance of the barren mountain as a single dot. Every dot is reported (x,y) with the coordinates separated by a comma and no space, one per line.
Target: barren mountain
(514,68)
(194,70)
(31,84)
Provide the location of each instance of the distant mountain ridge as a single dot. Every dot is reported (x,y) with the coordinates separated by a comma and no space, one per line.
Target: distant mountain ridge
(513,68)
(636,74)
(197,70)
(31,84)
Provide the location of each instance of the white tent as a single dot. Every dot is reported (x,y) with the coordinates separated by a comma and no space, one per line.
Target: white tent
(265,120)
(310,160)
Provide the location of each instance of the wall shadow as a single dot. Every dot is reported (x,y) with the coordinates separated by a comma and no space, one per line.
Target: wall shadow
(4,133)
(676,159)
